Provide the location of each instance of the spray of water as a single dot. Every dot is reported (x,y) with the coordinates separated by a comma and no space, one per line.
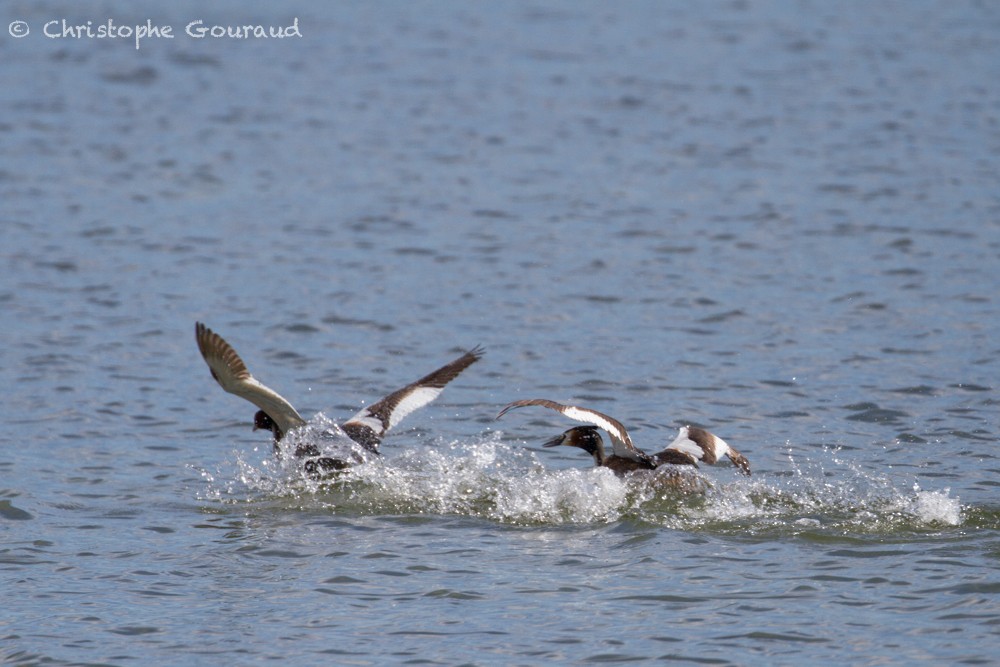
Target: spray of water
(505,482)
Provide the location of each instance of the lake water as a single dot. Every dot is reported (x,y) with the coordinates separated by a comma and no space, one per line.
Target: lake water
(776,220)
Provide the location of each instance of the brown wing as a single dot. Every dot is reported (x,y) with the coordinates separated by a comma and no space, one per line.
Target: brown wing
(702,445)
(232,375)
(371,424)
(620,439)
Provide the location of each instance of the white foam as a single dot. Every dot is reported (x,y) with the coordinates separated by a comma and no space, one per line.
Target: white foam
(935,507)
(494,480)
(505,482)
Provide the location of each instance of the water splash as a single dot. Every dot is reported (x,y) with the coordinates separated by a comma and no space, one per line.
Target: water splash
(489,478)
(493,480)
(830,495)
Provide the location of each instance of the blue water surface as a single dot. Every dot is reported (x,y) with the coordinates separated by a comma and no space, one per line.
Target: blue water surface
(776,220)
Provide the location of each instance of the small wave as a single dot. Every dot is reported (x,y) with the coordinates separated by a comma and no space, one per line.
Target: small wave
(499,481)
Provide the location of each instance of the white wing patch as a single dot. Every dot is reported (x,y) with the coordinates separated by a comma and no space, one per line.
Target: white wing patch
(388,412)
(721,447)
(683,443)
(415,400)
(620,440)
(368,420)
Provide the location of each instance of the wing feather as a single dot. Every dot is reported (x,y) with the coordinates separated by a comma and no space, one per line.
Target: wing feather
(372,422)
(620,440)
(232,375)
(684,443)
(705,446)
